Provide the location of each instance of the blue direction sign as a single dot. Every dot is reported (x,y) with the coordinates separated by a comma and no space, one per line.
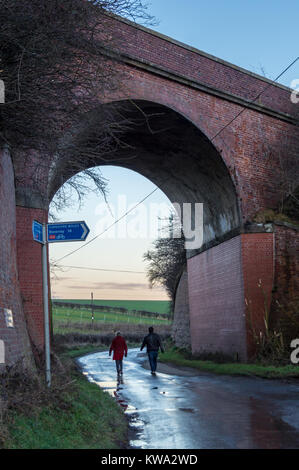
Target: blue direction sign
(67,232)
(37,230)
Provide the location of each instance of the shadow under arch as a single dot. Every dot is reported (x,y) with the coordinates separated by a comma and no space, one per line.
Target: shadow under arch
(164,146)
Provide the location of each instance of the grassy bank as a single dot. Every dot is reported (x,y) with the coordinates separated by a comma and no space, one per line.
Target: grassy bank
(74,414)
(73,334)
(180,358)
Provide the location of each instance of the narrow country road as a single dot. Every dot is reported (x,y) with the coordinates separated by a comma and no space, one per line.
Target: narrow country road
(201,411)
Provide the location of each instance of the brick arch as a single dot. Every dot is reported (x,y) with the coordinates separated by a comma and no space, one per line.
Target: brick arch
(208,93)
(173,153)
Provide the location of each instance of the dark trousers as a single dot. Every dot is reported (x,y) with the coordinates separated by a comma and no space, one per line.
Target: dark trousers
(119,365)
(153,356)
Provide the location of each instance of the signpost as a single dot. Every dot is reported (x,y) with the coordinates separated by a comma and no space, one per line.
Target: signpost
(37,231)
(53,233)
(67,232)
(92,314)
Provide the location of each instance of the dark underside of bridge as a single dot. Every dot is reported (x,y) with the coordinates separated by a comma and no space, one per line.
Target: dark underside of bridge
(165,147)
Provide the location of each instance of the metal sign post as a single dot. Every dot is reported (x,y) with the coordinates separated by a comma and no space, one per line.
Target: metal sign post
(43,234)
(46,305)
(92,314)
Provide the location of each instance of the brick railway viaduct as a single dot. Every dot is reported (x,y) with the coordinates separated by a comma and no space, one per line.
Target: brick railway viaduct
(205,153)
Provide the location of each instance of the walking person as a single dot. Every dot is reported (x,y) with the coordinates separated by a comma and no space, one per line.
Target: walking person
(119,348)
(152,342)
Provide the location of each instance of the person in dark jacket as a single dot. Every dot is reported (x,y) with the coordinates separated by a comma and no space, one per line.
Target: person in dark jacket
(152,342)
(119,348)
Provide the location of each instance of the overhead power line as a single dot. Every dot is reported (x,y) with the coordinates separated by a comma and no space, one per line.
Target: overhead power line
(108,228)
(101,269)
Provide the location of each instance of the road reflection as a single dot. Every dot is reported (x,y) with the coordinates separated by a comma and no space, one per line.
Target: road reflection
(198,412)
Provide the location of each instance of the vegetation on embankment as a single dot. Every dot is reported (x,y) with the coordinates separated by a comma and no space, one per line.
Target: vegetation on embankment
(73,414)
(73,334)
(183,358)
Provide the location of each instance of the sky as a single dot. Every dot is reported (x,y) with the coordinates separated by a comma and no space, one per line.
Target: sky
(258,35)
(120,248)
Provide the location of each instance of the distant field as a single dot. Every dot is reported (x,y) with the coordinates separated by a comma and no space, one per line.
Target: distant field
(80,318)
(157,306)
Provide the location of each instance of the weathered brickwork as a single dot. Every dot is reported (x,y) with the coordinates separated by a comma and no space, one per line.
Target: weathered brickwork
(223,282)
(287,260)
(181,317)
(258,276)
(216,297)
(252,146)
(252,149)
(151,47)
(30,272)
(15,338)
(286,277)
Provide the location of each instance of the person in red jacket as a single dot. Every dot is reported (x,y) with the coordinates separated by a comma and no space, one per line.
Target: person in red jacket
(119,348)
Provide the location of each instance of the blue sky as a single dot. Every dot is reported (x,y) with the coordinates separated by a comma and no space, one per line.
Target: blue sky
(120,248)
(260,36)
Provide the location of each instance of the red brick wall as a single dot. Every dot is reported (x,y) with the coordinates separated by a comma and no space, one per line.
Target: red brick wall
(252,146)
(30,272)
(220,279)
(16,340)
(258,276)
(286,281)
(287,261)
(216,299)
(181,316)
(153,48)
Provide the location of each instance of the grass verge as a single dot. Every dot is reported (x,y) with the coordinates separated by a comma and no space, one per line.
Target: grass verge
(179,357)
(74,414)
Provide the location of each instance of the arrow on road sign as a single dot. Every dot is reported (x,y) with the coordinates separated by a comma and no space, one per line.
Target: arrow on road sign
(67,232)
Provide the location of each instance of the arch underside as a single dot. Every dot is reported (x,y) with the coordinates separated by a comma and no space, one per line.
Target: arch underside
(173,153)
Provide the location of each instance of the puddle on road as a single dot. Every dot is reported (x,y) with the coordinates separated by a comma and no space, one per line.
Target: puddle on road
(187,410)
(131,409)
(136,423)
(166,395)
(138,444)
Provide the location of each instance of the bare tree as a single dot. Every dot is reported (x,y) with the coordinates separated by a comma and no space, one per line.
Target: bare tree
(167,260)
(56,63)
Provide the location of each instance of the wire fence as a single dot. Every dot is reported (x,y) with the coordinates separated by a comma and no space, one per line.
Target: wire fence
(86,316)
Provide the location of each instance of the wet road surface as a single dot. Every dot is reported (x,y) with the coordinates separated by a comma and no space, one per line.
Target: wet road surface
(199,412)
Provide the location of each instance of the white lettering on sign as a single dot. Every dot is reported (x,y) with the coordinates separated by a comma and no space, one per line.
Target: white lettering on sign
(8,318)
